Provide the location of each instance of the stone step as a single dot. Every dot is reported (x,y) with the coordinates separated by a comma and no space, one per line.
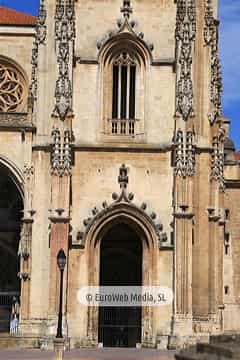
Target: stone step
(5,312)
(228,350)
(214,351)
(16,342)
(225,338)
(193,355)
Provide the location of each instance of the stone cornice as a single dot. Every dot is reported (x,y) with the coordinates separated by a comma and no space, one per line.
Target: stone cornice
(156,62)
(129,147)
(231,162)
(17,30)
(183,215)
(15,122)
(58,216)
(60,219)
(232,183)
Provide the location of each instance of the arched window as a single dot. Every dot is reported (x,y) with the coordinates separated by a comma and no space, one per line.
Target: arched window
(125,59)
(123,87)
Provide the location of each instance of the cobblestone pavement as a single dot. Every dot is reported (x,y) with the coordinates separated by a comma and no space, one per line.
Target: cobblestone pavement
(103,354)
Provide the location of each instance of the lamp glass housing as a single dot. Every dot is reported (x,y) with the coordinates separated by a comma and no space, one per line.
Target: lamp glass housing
(61,259)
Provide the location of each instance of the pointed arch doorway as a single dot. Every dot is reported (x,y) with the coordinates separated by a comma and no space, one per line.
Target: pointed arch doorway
(11,206)
(120,265)
(122,243)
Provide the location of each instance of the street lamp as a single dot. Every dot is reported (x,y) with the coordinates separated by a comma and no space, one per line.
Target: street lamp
(61,261)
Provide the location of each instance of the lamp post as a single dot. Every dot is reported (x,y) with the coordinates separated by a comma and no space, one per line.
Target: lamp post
(61,261)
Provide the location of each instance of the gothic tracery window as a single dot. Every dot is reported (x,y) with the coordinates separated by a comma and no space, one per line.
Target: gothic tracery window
(12,88)
(124,82)
(124,67)
(123,90)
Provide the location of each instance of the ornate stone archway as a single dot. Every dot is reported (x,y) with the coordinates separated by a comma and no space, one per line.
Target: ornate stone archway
(11,206)
(123,210)
(14,173)
(22,182)
(121,214)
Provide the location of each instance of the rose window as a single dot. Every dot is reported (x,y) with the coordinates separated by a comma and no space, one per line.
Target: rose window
(11,88)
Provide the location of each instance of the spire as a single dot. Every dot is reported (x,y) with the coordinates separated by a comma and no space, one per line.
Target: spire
(126,9)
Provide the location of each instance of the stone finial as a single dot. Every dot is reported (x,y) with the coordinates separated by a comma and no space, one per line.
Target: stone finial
(126,9)
(123,177)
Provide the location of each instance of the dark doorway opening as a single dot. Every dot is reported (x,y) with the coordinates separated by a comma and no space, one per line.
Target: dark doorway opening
(11,206)
(120,265)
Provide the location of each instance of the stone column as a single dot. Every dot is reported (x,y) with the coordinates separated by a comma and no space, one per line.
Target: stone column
(25,265)
(58,349)
(25,245)
(59,226)
(216,241)
(183,215)
(61,150)
(184,166)
(183,263)
(58,240)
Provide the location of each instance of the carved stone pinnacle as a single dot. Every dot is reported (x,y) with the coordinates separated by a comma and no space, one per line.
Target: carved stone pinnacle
(126,9)
(123,177)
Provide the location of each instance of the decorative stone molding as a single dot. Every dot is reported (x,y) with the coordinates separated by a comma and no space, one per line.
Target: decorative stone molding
(185,38)
(125,25)
(183,215)
(217,162)
(201,324)
(213,214)
(24,276)
(209,23)
(217,215)
(15,121)
(119,199)
(28,172)
(26,239)
(41,28)
(59,216)
(65,35)
(25,244)
(28,176)
(40,39)
(184,162)
(61,154)
(126,9)
(211,40)
(124,59)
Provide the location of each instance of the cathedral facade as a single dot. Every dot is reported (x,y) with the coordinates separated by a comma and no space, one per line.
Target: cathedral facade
(113,148)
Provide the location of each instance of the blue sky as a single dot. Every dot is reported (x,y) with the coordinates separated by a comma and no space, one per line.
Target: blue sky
(229,15)
(27,6)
